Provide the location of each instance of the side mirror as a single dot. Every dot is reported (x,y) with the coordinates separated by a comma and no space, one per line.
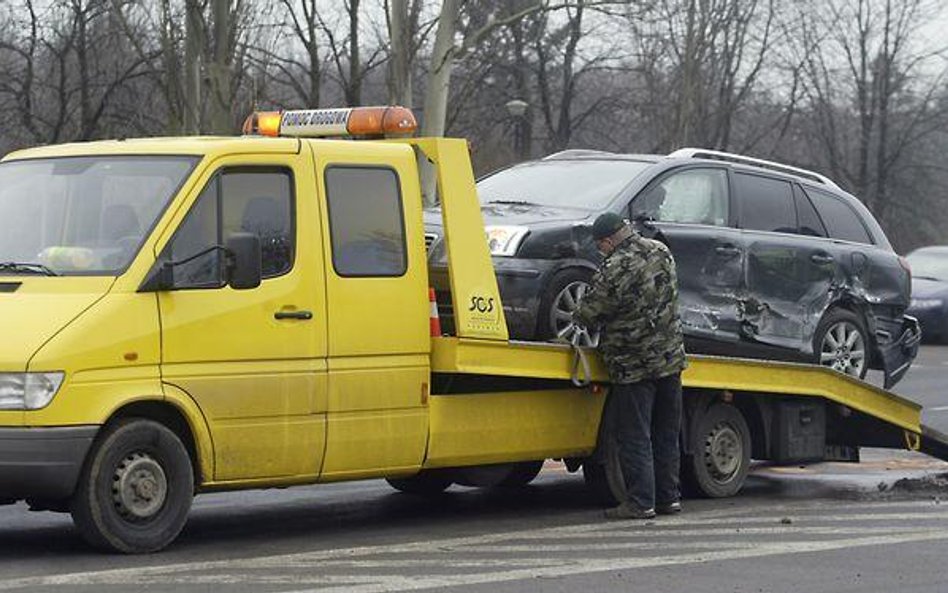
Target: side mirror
(244,265)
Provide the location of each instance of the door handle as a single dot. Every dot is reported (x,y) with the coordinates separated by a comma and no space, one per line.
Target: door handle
(727,250)
(821,258)
(304,315)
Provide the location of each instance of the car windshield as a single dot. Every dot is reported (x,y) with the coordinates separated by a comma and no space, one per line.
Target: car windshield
(929,263)
(585,184)
(82,215)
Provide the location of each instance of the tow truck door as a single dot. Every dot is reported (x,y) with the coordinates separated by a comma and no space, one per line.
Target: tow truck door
(254,360)
(376,283)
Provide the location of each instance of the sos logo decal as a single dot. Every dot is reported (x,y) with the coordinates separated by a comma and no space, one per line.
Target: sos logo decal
(483,311)
(481,304)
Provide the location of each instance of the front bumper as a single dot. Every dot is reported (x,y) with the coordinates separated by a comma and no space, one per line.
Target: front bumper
(42,463)
(898,344)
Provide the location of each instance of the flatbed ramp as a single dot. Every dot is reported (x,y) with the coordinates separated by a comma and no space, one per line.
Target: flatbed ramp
(875,417)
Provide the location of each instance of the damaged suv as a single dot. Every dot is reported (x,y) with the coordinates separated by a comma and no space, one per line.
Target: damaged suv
(773,261)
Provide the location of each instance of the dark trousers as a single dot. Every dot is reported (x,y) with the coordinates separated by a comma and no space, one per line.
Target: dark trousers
(647,417)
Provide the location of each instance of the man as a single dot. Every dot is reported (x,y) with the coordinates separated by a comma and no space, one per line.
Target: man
(634,302)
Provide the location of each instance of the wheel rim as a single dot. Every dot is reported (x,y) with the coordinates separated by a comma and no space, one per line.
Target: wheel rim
(723,452)
(139,487)
(844,348)
(561,315)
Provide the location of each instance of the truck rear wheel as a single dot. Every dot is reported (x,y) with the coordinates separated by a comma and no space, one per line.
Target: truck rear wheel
(721,447)
(603,471)
(424,483)
(135,490)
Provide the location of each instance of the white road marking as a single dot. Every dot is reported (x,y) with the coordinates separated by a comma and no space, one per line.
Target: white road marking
(936,409)
(492,557)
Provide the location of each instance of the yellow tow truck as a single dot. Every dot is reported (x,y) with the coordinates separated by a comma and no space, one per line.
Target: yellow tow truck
(188,315)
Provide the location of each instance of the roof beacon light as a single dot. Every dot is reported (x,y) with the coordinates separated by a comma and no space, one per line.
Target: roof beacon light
(315,123)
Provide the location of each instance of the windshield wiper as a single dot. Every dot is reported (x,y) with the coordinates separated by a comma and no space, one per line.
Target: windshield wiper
(514,202)
(26,268)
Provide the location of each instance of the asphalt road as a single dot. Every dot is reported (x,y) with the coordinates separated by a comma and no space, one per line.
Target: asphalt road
(876,526)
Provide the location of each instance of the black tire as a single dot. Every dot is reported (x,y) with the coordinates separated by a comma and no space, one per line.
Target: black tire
(136,488)
(424,483)
(522,474)
(603,471)
(843,361)
(546,327)
(721,444)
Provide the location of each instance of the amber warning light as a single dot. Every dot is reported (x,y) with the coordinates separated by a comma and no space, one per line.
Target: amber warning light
(373,122)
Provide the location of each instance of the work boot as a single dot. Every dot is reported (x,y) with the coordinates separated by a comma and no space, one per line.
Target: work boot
(671,508)
(629,511)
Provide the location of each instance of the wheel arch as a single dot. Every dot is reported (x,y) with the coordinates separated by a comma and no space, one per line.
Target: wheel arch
(170,414)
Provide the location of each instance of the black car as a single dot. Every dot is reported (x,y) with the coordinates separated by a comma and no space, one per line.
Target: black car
(930,291)
(773,261)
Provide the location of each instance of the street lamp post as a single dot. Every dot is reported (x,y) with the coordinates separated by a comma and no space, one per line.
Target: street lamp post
(517,108)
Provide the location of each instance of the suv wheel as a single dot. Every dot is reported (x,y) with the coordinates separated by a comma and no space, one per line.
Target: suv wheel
(557,305)
(841,343)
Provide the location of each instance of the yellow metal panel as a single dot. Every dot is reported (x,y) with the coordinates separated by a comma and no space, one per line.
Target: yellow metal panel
(256,378)
(478,312)
(40,308)
(555,361)
(474,429)
(196,145)
(379,343)
(365,444)
(199,429)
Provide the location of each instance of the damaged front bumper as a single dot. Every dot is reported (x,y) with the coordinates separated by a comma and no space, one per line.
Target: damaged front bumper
(897,342)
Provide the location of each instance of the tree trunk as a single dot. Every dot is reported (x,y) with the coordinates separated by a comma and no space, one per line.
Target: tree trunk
(400,87)
(193,54)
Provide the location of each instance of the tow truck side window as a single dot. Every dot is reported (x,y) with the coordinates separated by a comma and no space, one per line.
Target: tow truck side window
(366,222)
(258,201)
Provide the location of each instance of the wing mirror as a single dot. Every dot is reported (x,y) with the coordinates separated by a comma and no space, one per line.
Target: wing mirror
(244,261)
(243,265)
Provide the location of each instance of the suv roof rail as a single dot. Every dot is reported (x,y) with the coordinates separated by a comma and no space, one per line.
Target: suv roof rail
(702,153)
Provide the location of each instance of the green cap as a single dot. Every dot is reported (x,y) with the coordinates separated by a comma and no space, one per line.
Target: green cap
(607,225)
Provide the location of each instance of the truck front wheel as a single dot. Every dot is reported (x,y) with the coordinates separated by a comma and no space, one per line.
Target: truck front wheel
(424,483)
(136,488)
(720,458)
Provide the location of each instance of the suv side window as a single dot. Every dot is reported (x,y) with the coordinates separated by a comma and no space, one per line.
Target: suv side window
(766,204)
(841,220)
(258,201)
(692,196)
(365,221)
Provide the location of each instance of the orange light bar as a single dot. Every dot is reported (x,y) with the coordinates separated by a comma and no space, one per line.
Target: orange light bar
(381,121)
(313,123)
(264,123)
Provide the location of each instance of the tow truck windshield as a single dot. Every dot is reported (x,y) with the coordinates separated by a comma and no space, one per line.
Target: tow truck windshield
(82,215)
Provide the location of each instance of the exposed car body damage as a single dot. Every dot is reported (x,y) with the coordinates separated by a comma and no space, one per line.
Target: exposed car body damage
(745,290)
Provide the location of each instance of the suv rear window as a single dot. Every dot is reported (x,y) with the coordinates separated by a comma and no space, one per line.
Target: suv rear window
(766,204)
(840,220)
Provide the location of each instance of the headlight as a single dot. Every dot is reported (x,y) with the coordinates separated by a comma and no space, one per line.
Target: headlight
(28,391)
(926,303)
(504,240)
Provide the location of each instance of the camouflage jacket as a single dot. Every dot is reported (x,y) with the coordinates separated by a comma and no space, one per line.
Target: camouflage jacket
(634,303)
